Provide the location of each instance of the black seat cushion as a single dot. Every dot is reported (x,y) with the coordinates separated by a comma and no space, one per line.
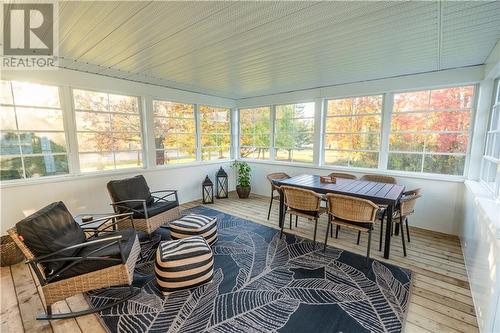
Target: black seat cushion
(87,266)
(155,208)
(50,229)
(129,189)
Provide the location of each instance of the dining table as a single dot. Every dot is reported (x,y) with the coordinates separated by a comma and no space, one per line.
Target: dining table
(384,194)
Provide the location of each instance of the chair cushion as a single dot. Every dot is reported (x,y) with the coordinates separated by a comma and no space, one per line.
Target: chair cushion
(129,189)
(193,225)
(87,266)
(50,229)
(155,208)
(183,263)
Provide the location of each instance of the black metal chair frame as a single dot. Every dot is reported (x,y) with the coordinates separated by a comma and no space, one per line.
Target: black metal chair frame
(120,204)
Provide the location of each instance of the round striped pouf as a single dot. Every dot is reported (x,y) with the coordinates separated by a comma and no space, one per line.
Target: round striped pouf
(183,263)
(194,225)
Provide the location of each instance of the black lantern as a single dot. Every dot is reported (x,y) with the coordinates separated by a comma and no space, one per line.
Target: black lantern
(207,190)
(221,184)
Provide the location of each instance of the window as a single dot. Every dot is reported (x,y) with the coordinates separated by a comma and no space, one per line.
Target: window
(490,173)
(108,131)
(255,133)
(430,130)
(175,132)
(215,133)
(294,137)
(352,131)
(32,139)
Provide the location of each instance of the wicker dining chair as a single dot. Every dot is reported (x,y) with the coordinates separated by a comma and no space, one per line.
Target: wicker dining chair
(342,175)
(271,177)
(65,263)
(379,179)
(353,213)
(303,203)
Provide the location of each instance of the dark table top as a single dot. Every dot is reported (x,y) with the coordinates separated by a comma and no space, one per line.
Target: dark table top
(379,193)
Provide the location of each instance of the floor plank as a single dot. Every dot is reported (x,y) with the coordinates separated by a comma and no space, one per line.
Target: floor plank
(440,302)
(9,309)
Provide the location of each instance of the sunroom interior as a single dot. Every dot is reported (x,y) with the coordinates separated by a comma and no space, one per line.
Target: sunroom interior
(175,91)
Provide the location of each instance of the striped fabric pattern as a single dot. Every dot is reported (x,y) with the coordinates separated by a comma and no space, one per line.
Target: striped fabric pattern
(194,225)
(183,263)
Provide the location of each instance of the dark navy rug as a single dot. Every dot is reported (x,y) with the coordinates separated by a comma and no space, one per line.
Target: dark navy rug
(266,284)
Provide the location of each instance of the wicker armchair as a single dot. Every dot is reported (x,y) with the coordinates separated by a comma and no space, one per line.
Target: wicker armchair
(351,212)
(303,203)
(271,177)
(342,175)
(150,210)
(379,179)
(66,263)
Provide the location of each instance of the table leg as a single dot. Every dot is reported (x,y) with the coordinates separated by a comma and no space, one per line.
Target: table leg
(282,208)
(388,232)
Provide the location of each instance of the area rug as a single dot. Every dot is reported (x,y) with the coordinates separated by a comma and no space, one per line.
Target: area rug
(266,284)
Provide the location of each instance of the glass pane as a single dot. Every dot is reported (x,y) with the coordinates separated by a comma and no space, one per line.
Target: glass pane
(364,159)
(263,140)
(127,141)
(446,143)
(94,142)
(120,103)
(247,140)
(6,93)
(187,141)
(408,121)
(215,153)
(29,119)
(337,107)
(7,118)
(367,104)
(11,168)
(339,124)
(30,94)
(444,164)
(406,142)
(366,124)
(340,158)
(448,121)
(132,159)
(171,109)
(125,123)
(366,141)
(405,162)
(295,155)
(412,101)
(255,120)
(176,156)
(300,110)
(90,100)
(255,153)
(452,98)
(488,173)
(47,165)
(210,114)
(495,119)
(338,141)
(90,121)
(9,143)
(37,143)
(96,161)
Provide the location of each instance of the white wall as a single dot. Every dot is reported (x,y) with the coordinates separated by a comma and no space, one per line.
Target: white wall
(480,235)
(436,210)
(88,194)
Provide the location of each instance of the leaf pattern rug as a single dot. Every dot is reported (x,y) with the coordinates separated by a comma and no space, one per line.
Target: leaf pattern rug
(266,284)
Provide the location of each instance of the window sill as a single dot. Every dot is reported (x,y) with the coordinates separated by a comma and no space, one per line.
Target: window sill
(99,174)
(427,176)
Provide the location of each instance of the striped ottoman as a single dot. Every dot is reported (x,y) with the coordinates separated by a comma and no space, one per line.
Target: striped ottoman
(183,263)
(193,225)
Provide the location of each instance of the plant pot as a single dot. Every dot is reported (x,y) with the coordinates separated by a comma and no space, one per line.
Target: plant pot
(243,192)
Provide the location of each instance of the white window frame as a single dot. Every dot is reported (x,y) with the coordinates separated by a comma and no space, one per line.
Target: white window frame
(271,134)
(199,133)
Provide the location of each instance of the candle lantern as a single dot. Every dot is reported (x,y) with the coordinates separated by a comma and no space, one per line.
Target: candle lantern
(207,190)
(221,184)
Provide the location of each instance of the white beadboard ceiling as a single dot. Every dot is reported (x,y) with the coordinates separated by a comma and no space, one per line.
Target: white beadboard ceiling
(246,49)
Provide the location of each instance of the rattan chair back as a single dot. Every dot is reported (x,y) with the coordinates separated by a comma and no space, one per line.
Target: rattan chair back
(276,176)
(342,175)
(301,199)
(351,208)
(408,204)
(379,179)
(28,254)
(415,191)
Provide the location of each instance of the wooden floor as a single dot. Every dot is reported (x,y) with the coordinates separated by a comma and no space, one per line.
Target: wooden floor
(440,302)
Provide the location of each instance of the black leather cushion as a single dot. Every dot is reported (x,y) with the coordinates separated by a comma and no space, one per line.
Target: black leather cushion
(50,229)
(128,238)
(155,208)
(129,189)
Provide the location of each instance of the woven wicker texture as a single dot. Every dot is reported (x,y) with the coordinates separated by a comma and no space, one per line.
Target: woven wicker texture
(415,191)
(301,199)
(351,208)
(379,179)
(149,225)
(9,252)
(407,205)
(276,176)
(342,175)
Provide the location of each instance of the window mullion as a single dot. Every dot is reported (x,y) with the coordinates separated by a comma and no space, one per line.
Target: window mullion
(148,142)
(318,132)
(197,119)
(272,149)
(387,106)
(66,101)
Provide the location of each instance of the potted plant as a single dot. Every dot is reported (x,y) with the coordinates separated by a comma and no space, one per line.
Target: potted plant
(243,181)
